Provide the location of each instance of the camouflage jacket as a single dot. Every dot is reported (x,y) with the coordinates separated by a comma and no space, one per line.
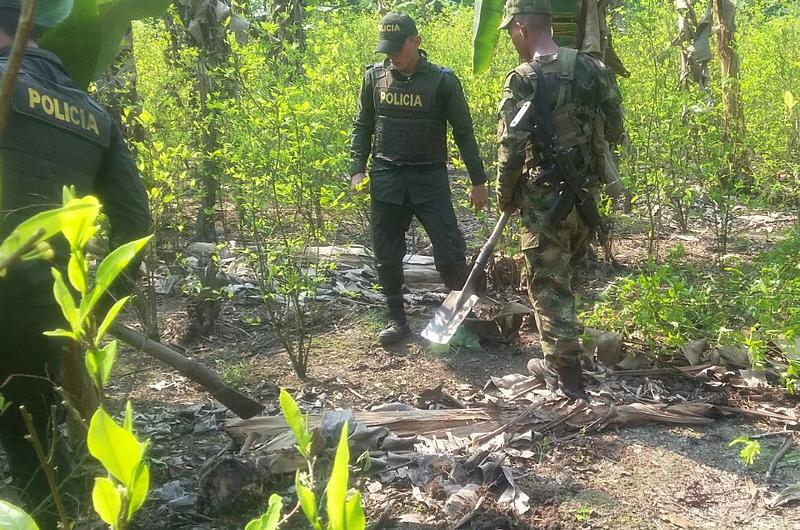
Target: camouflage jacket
(593,88)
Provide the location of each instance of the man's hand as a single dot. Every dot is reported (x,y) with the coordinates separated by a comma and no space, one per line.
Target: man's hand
(478,196)
(506,206)
(357,183)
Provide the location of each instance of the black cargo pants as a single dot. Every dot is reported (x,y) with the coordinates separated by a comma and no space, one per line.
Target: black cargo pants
(390,222)
(29,365)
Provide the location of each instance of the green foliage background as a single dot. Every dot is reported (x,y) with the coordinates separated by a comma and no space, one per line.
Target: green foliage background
(292,129)
(284,129)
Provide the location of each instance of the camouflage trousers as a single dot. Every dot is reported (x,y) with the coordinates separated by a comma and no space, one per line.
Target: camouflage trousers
(551,252)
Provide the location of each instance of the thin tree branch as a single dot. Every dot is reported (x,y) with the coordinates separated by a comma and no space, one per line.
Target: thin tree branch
(47,467)
(787,444)
(23,35)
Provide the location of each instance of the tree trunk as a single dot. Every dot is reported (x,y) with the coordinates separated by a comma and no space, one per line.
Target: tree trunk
(734,127)
(206,216)
(725,12)
(116,89)
(204,27)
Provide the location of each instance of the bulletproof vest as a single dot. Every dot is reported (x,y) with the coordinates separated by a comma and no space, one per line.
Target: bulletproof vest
(409,126)
(573,124)
(56,136)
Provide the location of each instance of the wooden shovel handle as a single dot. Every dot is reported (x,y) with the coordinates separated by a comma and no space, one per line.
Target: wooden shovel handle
(486,250)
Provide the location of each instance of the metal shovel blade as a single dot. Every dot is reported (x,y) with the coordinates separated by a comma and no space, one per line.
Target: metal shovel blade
(457,305)
(450,315)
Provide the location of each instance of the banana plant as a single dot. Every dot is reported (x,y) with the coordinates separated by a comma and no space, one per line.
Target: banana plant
(86,34)
(485,33)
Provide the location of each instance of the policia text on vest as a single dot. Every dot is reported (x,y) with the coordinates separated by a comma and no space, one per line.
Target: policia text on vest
(400,99)
(61,110)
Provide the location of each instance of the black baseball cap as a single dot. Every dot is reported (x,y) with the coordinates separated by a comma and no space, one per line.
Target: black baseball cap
(394,29)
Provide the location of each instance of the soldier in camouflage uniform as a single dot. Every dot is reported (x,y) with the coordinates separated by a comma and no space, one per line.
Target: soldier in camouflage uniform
(56,135)
(585,102)
(404,107)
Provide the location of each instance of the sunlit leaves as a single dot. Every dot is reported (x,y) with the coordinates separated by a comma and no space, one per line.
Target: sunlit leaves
(110,268)
(750,449)
(107,500)
(47,224)
(124,457)
(116,448)
(297,422)
(268,521)
(101,25)
(13,518)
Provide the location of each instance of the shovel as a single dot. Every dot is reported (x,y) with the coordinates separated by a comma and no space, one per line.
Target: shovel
(458,304)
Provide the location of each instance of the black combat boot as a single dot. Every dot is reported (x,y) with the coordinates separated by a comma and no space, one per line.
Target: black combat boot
(567,378)
(398,328)
(570,381)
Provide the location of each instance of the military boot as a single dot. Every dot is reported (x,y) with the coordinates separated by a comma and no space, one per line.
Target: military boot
(570,381)
(567,378)
(398,328)
(542,369)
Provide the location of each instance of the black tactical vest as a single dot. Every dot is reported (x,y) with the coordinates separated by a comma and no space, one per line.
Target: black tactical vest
(409,126)
(56,136)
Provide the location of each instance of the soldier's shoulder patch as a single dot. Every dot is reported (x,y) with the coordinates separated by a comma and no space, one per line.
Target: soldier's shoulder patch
(61,107)
(524,70)
(592,60)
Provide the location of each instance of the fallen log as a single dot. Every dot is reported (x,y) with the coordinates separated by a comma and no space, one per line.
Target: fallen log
(642,372)
(477,426)
(419,271)
(402,423)
(239,404)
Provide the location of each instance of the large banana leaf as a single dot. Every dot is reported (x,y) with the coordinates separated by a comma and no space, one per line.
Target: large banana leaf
(489,13)
(89,38)
(485,32)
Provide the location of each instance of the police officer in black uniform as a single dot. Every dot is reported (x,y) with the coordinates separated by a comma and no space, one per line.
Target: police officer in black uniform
(56,136)
(403,110)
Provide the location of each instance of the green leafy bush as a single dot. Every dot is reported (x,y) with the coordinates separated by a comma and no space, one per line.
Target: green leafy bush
(343,509)
(119,495)
(755,304)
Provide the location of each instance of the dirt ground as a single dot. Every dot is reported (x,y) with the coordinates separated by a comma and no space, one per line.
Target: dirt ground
(650,477)
(646,477)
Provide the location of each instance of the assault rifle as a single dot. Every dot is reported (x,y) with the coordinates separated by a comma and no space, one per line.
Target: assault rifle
(559,165)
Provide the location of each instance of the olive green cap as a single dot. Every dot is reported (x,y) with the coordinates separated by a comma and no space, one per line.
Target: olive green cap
(522,7)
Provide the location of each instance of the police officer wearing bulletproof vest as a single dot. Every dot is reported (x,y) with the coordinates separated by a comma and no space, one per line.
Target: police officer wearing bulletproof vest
(404,107)
(56,136)
(576,98)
